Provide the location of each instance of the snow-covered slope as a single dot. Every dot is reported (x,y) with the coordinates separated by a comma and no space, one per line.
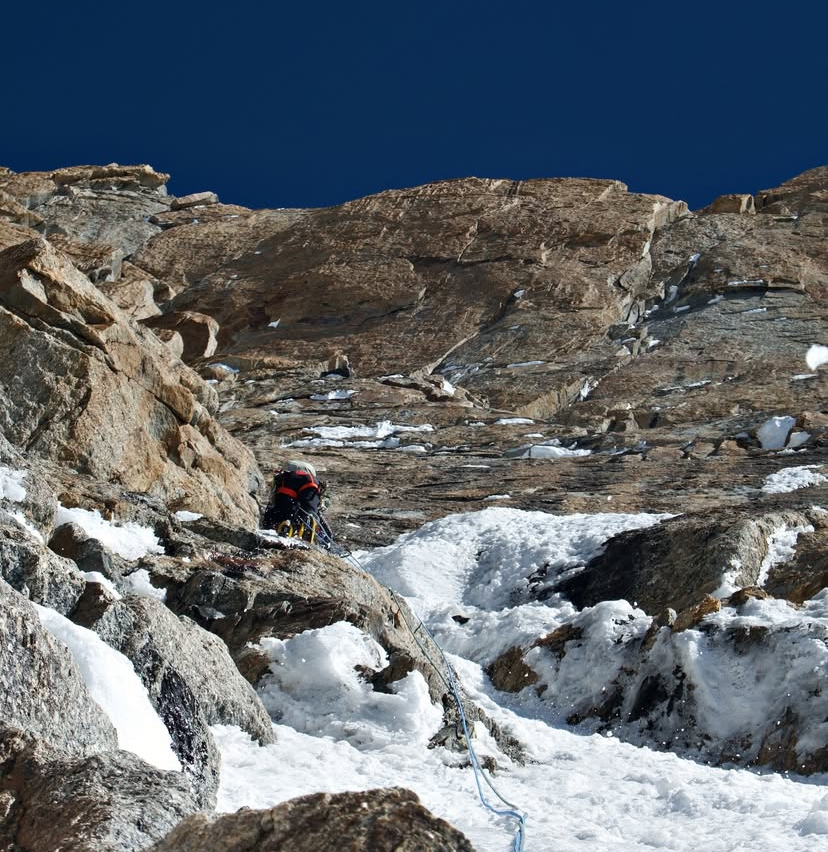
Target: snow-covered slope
(469,577)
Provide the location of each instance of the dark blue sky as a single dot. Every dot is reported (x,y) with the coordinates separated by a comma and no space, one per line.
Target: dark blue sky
(314,103)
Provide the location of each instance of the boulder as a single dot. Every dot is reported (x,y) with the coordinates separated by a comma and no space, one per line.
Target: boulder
(112,802)
(172,339)
(89,554)
(385,820)
(134,292)
(113,175)
(677,563)
(195,199)
(734,203)
(41,689)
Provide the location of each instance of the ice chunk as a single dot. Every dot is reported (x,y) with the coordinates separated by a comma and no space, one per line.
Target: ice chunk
(773,433)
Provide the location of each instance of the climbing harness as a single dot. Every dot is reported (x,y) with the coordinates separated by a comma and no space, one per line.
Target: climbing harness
(307,529)
(511,811)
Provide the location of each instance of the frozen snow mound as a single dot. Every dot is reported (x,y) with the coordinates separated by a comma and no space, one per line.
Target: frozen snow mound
(315,686)
(488,559)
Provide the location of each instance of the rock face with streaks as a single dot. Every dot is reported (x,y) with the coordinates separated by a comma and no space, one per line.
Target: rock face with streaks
(472,274)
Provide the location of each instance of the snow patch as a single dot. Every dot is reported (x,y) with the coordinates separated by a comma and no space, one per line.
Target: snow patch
(138,583)
(551,450)
(113,684)
(793,478)
(781,549)
(184,516)
(513,421)
(332,395)
(130,540)
(11,484)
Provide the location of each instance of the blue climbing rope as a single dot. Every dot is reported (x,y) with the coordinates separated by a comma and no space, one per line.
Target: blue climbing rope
(479,772)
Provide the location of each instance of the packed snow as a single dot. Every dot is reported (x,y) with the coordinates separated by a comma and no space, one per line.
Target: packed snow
(793,478)
(138,583)
(549,450)
(129,540)
(514,421)
(332,396)
(113,684)
(581,792)
(185,516)
(816,356)
(11,484)
(781,548)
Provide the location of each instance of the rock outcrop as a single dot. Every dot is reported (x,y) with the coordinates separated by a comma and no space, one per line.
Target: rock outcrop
(84,386)
(41,689)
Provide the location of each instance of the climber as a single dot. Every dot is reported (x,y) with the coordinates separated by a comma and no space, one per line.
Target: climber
(294,507)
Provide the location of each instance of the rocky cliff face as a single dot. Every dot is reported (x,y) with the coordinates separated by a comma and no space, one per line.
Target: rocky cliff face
(557,345)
